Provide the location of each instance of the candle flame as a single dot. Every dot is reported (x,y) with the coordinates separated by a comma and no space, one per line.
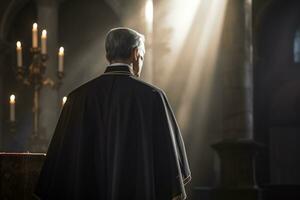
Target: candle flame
(61,51)
(34,26)
(44,33)
(19,46)
(64,99)
(12,99)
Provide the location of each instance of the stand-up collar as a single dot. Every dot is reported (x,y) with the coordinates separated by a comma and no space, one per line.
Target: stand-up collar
(119,68)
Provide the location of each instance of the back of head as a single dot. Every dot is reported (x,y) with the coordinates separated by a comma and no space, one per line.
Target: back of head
(119,43)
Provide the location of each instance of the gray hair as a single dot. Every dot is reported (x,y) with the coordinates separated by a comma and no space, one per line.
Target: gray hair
(119,43)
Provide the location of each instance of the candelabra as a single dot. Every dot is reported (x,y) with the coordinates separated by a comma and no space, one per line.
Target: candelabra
(34,75)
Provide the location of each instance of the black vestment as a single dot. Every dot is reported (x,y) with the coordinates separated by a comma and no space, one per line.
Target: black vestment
(116,139)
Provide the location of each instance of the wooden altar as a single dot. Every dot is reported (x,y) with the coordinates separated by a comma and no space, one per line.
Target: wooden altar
(18,174)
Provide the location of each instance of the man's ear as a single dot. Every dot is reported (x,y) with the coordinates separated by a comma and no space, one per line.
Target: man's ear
(135,52)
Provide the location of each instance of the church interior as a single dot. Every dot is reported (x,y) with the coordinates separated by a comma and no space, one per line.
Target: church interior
(228,68)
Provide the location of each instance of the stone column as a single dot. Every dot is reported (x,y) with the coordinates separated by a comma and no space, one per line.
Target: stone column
(48,19)
(237,71)
(237,149)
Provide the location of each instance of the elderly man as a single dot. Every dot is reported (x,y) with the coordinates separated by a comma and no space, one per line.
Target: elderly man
(117,137)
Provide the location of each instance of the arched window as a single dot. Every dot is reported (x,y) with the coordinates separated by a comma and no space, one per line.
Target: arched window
(297,47)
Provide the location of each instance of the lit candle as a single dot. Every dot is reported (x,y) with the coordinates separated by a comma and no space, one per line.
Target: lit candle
(12,102)
(34,35)
(61,59)
(64,99)
(44,42)
(19,54)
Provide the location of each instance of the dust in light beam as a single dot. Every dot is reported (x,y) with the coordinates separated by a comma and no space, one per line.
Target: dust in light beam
(197,27)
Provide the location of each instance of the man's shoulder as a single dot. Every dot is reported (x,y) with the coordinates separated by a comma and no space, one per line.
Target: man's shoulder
(144,86)
(138,85)
(85,87)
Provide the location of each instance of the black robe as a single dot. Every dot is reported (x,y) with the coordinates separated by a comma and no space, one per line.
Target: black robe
(116,139)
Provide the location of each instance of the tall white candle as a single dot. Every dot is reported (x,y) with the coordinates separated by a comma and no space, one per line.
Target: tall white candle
(61,59)
(19,54)
(35,35)
(12,102)
(44,42)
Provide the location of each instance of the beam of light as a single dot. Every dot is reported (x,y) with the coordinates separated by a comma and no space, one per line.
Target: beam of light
(149,14)
(193,73)
(197,26)
(203,63)
(180,18)
(148,70)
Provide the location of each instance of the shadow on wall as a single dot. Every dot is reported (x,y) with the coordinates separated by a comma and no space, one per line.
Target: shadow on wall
(276,93)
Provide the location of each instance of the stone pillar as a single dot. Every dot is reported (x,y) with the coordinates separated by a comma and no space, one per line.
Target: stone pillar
(237,71)
(237,149)
(48,19)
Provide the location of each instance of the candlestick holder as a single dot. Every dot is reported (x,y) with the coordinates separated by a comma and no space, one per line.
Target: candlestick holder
(34,77)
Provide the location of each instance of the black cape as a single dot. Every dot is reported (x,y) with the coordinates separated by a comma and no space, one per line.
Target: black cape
(116,139)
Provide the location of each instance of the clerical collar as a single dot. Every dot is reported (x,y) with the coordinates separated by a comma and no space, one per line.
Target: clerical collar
(118,64)
(119,69)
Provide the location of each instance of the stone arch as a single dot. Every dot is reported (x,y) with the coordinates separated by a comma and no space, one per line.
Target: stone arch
(16,5)
(11,11)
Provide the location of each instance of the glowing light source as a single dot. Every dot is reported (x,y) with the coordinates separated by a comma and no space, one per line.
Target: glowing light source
(12,112)
(12,99)
(34,35)
(149,13)
(44,42)
(61,51)
(64,100)
(34,26)
(19,45)
(61,59)
(19,54)
(44,34)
